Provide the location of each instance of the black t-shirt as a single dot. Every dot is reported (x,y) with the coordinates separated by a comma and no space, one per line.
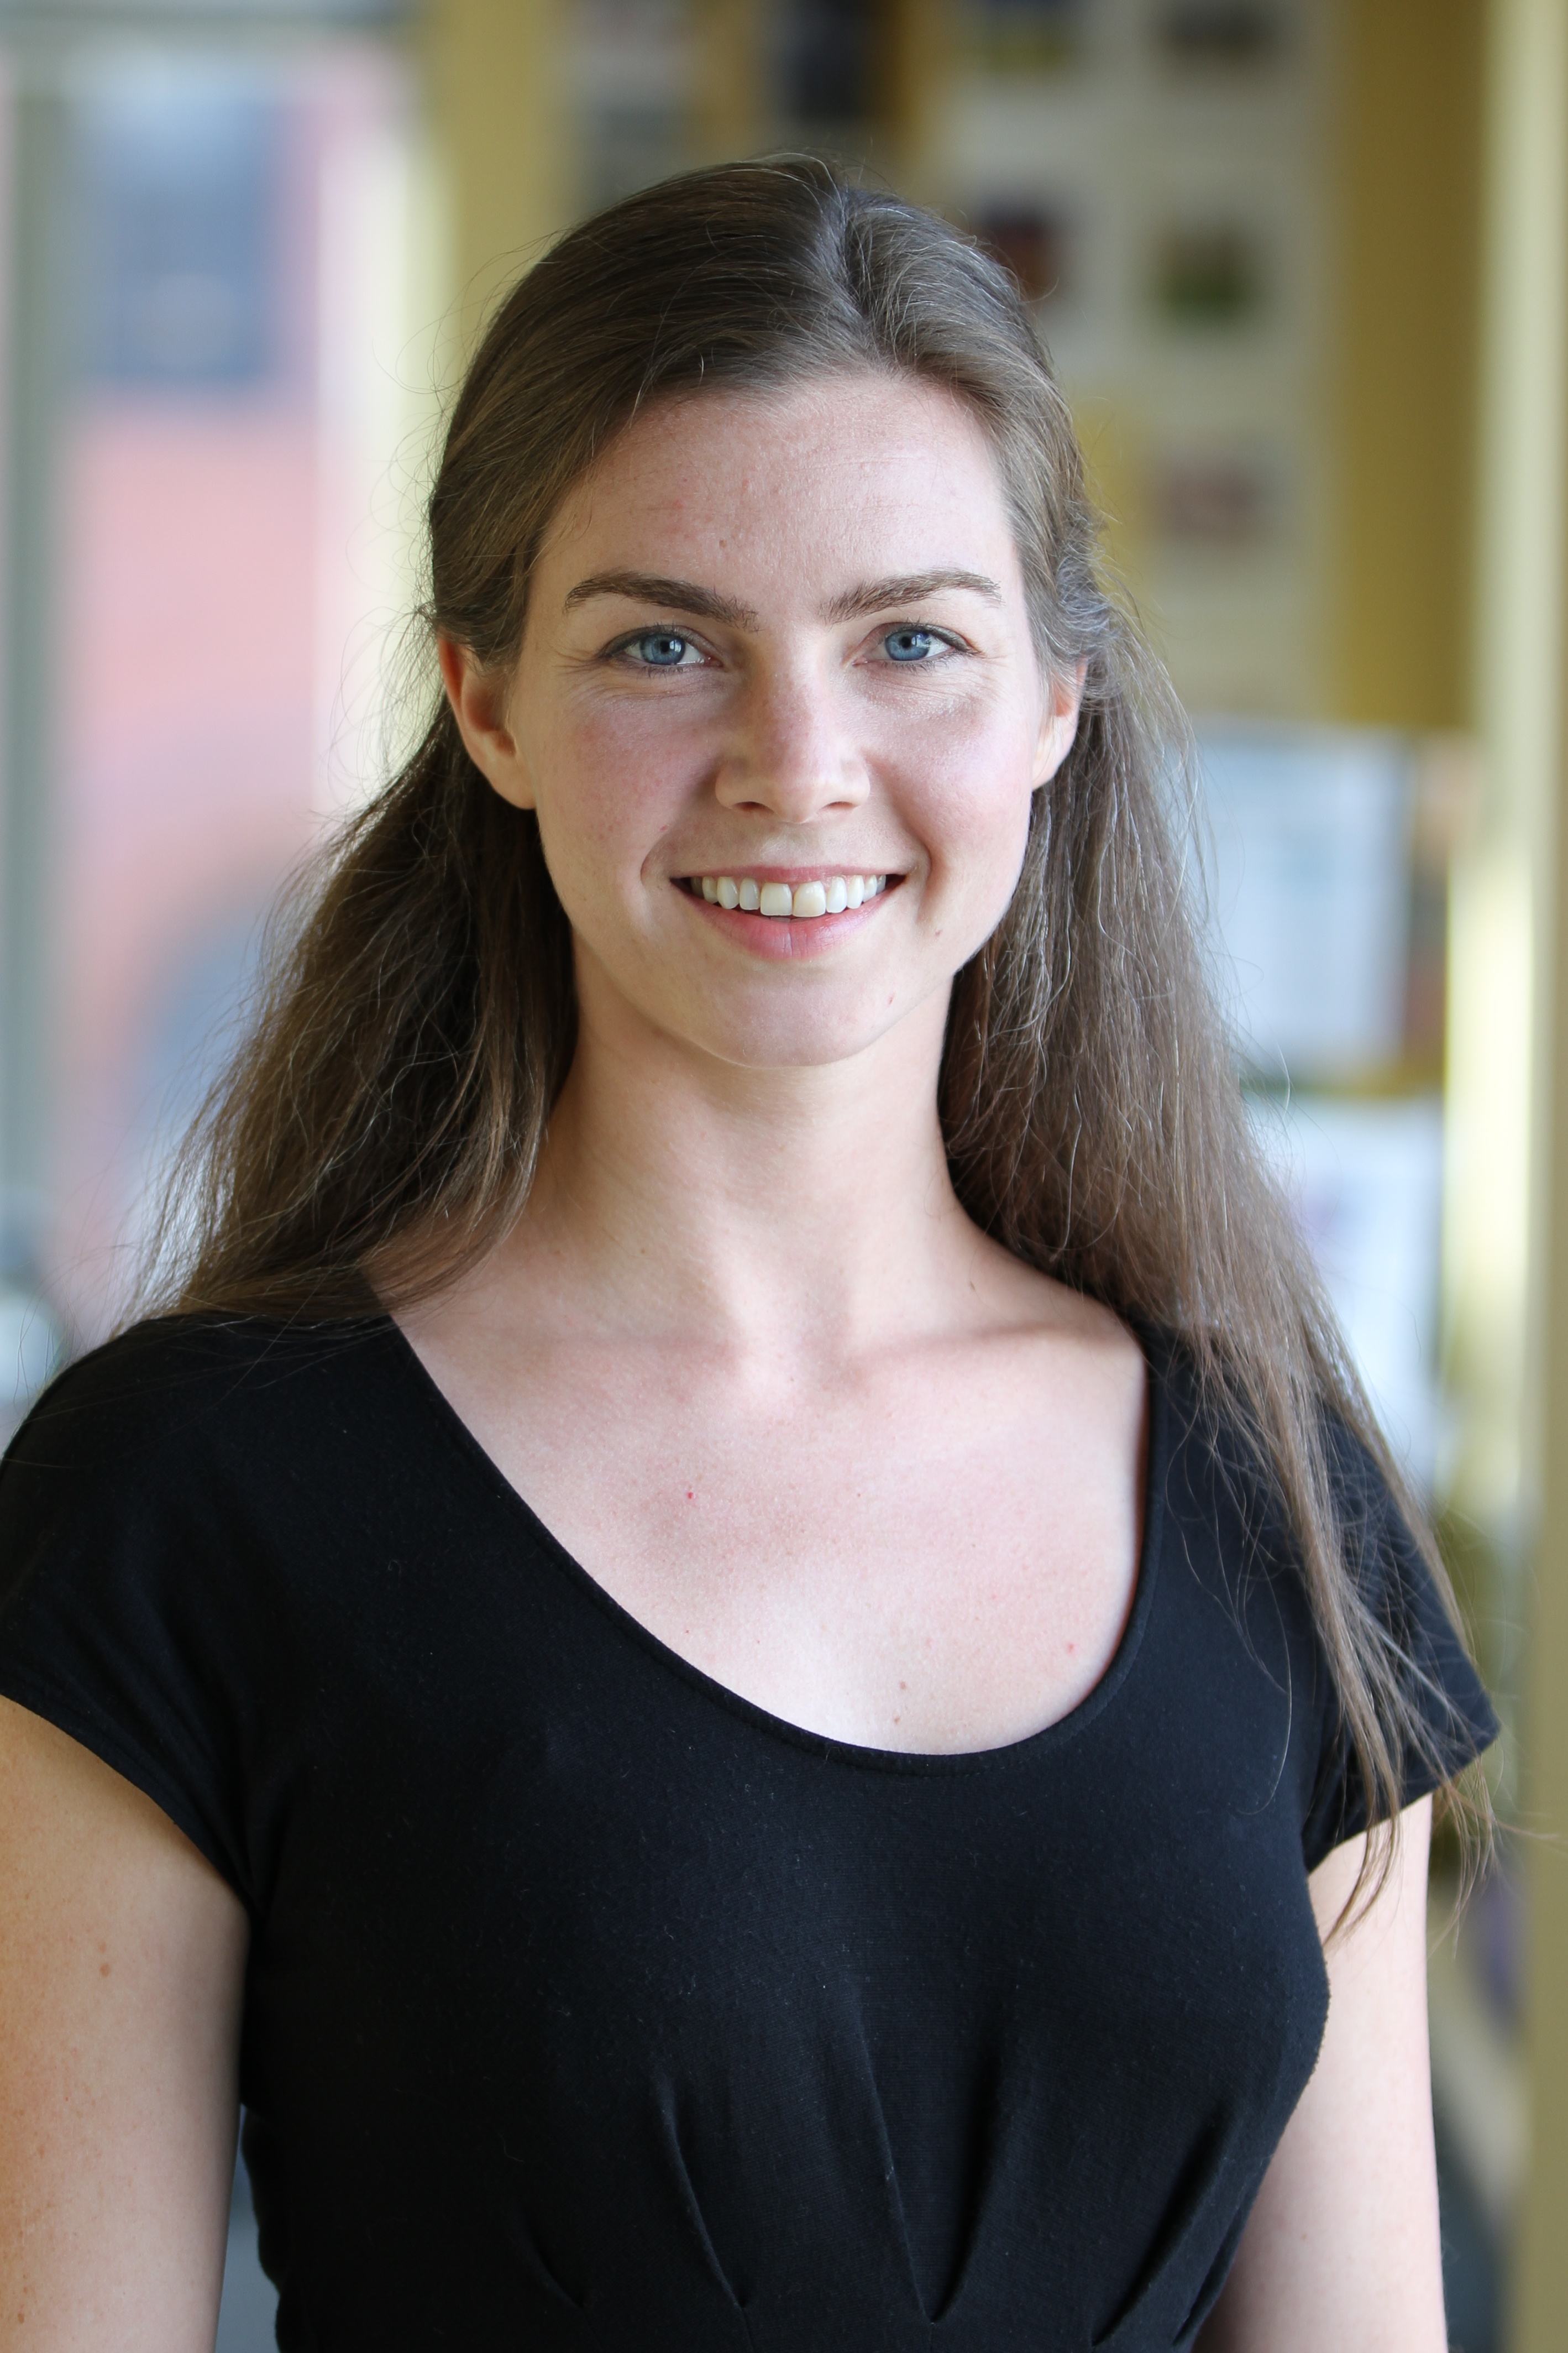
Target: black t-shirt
(590,2006)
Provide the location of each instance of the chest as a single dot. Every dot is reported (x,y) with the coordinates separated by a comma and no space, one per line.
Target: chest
(694,2031)
(938,1553)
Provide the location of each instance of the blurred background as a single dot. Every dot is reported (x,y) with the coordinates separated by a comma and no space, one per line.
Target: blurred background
(1302,265)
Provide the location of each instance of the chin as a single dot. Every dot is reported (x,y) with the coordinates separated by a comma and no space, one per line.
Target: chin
(799,1038)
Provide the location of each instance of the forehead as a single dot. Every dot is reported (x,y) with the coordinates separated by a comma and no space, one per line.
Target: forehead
(836,475)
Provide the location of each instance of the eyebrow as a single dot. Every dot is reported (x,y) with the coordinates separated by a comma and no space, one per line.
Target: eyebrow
(689,596)
(675,595)
(907,588)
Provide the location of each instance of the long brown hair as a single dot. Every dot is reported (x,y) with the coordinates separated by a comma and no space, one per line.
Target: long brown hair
(385,1118)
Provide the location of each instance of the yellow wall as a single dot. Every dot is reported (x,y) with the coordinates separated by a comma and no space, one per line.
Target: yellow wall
(1408,107)
(494,74)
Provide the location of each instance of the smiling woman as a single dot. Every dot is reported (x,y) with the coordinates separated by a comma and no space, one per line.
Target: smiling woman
(741,1650)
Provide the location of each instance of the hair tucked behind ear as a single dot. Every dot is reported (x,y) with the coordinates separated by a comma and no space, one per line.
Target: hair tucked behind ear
(384,1121)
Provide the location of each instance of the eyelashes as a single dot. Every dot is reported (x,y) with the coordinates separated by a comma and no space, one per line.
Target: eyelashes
(907,645)
(668,649)
(912,643)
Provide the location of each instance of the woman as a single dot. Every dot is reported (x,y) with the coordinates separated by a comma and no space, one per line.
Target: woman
(742,1116)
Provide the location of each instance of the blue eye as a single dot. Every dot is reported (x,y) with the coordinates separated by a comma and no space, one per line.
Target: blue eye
(660,648)
(909,645)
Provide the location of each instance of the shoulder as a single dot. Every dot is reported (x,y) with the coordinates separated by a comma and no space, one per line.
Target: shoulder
(1086,1365)
(1007,1293)
(165,1385)
(1391,1609)
(178,1517)
(1220,1468)
(1213,1472)
(185,1430)
(1226,1525)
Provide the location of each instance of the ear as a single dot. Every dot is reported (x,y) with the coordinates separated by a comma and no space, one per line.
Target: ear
(1058,725)
(478,698)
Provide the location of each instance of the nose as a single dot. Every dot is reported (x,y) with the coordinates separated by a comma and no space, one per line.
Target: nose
(793,754)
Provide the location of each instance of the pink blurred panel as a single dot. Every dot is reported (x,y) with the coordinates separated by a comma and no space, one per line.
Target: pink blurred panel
(190,539)
(188,615)
(207,593)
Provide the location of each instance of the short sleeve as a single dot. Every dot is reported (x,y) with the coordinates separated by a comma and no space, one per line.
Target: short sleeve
(1454,1719)
(127,1618)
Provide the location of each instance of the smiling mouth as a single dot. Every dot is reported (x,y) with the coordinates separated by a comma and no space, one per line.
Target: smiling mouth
(826,895)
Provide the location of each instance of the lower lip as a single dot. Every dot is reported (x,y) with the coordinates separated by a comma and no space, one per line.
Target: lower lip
(786,938)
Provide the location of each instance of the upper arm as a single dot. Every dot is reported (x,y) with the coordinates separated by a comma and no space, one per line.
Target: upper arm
(121,1970)
(1343,2245)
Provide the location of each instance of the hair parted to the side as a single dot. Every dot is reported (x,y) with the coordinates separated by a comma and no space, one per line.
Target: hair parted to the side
(385,1118)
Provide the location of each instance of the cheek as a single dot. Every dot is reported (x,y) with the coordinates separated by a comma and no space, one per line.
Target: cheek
(609,785)
(970,800)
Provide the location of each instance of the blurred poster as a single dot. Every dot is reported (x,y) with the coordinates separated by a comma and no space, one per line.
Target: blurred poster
(1309,896)
(1313,868)
(1365,1180)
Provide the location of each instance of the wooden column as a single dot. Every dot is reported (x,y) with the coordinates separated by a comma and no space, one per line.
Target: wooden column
(1521,623)
(502,118)
(730,110)
(1407,75)
(1538,2314)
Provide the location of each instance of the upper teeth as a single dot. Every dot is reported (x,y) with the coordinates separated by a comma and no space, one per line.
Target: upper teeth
(827,898)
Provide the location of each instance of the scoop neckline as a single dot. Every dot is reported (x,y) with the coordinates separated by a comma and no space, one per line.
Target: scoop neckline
(823,1746)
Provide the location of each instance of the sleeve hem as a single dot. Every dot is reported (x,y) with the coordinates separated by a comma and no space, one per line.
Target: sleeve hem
(109,1745)
(1421,1780)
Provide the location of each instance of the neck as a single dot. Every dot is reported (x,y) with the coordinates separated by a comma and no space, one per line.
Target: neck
(784,1208)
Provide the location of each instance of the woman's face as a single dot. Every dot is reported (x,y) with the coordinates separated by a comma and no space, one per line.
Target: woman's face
(777,659)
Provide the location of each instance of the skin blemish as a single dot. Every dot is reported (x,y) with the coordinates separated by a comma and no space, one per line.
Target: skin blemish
(103,1968)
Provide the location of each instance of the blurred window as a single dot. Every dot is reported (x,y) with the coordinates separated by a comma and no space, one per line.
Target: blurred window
(828,59)
(214,245)
(1220,32)
(179,248)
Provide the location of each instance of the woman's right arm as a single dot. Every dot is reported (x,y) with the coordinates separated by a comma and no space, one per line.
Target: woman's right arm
(121,1970)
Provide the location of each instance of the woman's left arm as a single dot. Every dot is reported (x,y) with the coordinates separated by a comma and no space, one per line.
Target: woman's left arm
(1343,2245)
